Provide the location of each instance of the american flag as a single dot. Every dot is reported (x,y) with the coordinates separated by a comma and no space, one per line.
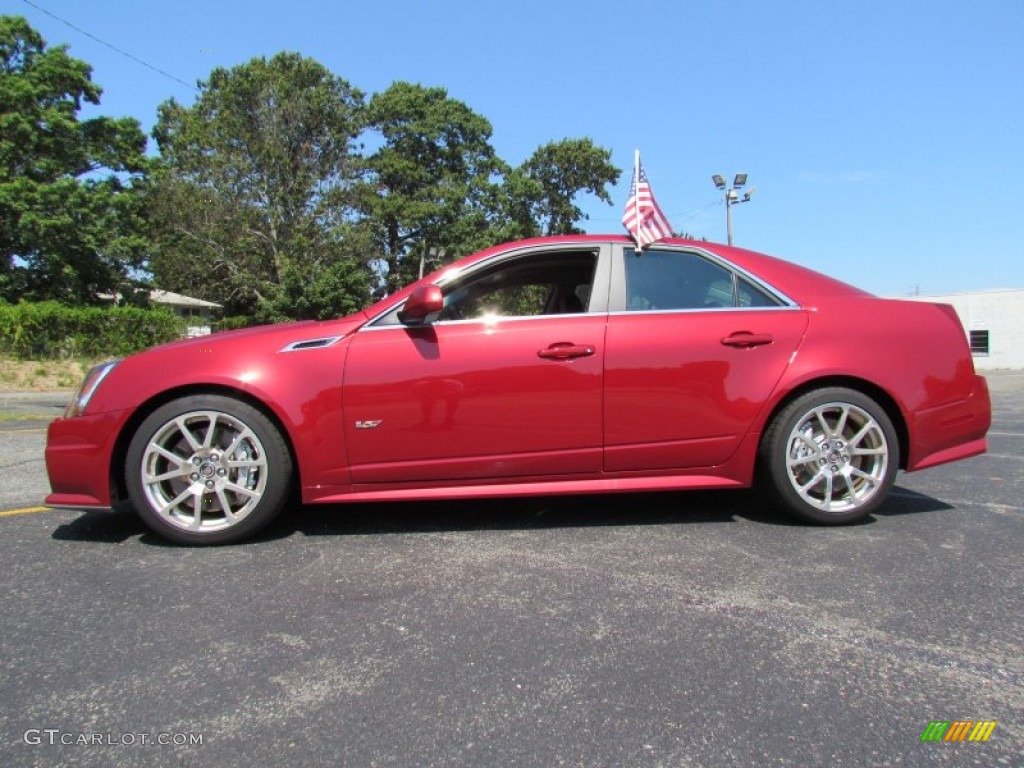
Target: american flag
(643,217)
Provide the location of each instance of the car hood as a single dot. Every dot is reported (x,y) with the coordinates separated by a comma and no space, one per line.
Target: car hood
(302,329)
(249,359)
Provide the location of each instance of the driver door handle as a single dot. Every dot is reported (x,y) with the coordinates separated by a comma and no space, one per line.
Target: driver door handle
(566,350)
(747,339)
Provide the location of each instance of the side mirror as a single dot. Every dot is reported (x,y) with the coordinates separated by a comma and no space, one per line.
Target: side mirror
(423,305)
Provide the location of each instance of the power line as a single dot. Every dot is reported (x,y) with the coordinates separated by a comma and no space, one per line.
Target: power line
(692,213)
(695,212)
(112,47)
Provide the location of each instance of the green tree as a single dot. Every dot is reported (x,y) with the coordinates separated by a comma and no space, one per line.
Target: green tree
(687,235)
(70,222)
(432,183)
(549,182)
(252,202)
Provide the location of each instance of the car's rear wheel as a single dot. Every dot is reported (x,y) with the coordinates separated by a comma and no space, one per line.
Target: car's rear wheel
(830,456)
(207,469)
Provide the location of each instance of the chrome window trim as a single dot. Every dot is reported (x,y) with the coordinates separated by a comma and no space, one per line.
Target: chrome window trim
(493,321)
(581,245)
(759,283)
(602,272)
(721,260)
(619,280)
(701,310)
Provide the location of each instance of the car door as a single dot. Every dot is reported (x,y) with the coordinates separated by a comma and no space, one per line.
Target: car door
(506,383)
(693,351)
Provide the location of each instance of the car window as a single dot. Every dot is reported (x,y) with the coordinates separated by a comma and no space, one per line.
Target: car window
(549,283)
(666,280)
(536,284)
(750,295)
(675,280)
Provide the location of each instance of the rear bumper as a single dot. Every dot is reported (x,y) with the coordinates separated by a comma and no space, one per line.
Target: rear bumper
(78,460)
(953,431)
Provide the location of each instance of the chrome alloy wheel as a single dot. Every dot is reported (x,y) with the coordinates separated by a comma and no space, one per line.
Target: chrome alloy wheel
(837,457)
(204,471)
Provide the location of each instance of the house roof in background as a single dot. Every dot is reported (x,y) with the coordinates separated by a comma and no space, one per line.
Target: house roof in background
(178,300)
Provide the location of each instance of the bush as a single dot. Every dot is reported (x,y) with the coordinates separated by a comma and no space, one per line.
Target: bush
(233,323)
(48,330)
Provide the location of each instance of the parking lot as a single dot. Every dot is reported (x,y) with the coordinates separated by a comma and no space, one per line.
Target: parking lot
(624,630)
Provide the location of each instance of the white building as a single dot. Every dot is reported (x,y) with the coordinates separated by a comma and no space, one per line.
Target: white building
(198,313)
(994,322)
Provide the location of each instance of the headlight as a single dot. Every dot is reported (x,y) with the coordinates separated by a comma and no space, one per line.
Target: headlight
(89,385)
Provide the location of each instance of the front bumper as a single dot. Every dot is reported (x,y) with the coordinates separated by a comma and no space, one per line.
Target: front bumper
(79,454)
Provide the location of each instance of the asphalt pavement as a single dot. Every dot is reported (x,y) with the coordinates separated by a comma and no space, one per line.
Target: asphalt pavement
(674,630)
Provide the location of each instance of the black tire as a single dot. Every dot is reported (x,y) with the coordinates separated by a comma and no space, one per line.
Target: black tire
(208,469)
(830,457)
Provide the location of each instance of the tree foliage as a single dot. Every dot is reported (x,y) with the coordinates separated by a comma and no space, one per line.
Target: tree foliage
(263,198)
(436,185)
(252,198)
(70,223)
(556,174)
(431,182)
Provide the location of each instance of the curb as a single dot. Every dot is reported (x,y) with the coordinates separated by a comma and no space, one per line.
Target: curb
(48,404)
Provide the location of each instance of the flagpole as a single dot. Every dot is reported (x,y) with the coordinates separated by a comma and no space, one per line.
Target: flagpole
(636,196)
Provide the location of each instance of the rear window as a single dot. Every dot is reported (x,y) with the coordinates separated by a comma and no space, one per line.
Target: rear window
(667,280)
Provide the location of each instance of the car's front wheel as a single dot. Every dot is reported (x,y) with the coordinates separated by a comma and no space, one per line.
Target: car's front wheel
(207,469)
(830,456)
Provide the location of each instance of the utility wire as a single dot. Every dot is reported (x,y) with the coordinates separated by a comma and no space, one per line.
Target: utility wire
(112,47)
(695,212)
(684,216)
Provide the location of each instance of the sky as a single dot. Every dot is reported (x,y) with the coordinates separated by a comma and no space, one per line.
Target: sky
(885,138)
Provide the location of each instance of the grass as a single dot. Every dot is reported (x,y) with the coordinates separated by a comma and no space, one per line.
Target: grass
(41,375)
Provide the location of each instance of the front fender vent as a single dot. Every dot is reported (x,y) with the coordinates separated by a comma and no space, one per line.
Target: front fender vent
(301,346)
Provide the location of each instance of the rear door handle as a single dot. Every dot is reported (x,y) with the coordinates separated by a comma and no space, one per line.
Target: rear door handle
(747,339)
(566,350)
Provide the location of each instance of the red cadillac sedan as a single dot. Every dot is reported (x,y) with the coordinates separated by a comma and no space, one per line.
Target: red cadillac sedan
(565,365)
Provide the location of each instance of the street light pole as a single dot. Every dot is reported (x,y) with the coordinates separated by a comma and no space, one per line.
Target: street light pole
(729,195)
(732,197)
